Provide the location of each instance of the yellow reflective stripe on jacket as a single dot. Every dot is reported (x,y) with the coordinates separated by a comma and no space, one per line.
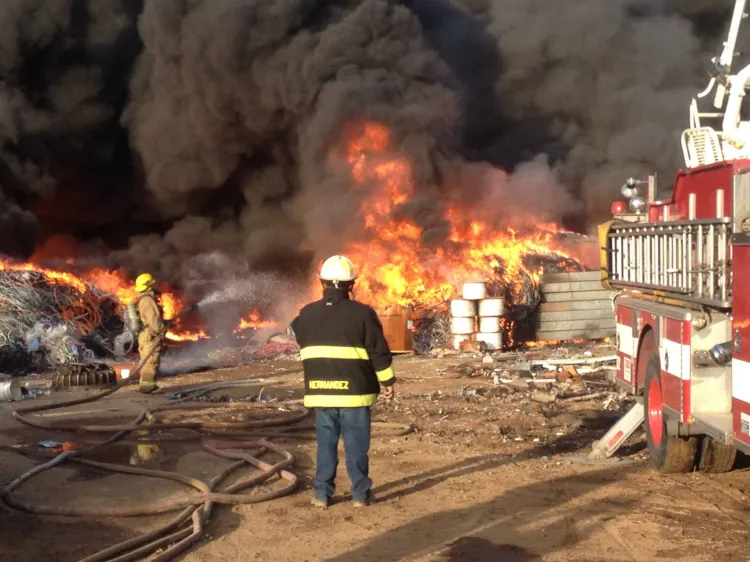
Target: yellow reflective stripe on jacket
(339,401)
(386,374)
(333,352)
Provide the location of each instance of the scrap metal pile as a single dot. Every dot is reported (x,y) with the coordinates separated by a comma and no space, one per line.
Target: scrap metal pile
(518,287)
(46,321)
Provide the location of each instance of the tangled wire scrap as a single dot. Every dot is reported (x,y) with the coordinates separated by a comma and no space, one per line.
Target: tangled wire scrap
(46,322)
(519,290)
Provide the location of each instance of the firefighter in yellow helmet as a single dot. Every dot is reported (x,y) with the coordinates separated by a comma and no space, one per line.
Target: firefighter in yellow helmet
(346,360)
(152,331)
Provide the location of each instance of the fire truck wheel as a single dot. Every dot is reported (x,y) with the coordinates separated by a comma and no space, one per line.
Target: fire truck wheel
(668,454)
(716,457)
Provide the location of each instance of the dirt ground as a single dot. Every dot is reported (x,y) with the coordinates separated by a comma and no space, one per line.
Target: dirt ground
(482,478)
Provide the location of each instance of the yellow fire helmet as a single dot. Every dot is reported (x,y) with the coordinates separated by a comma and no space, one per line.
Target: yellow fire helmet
(144,282)
(337,268)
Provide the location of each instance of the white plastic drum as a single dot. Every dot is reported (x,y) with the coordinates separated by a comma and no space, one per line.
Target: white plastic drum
(490,325)
(458,340)
(491,307)
(493,341)
(475,291)
(463,309)
(462,326)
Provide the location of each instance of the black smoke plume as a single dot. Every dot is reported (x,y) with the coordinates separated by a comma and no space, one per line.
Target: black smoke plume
(152,132)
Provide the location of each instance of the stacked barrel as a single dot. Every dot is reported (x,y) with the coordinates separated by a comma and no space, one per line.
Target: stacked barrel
(477,317)
(490,312)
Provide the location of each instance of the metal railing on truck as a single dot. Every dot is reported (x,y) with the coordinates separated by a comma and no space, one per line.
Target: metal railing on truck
(687,260)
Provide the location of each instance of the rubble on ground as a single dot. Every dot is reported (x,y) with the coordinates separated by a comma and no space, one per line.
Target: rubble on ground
(277,347)
(559,397)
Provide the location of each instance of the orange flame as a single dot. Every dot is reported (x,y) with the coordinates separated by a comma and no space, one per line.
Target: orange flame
(67,278)
(115,283)
(186,336)
(254,321)
(112,282)
(395,267)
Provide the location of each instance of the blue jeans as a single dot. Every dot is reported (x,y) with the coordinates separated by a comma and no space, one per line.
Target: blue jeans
(354,425)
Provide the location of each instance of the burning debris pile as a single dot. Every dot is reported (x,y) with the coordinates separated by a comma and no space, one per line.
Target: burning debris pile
(486,239)
(59,317)
(51,318)
(48,319)
(521,297)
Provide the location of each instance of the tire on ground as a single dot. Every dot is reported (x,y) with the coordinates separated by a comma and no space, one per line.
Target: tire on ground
(668,454)
(716,457)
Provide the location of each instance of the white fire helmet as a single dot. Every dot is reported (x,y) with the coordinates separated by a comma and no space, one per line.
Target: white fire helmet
(337,269)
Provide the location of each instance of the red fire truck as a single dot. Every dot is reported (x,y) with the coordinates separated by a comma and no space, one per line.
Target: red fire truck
(680,266)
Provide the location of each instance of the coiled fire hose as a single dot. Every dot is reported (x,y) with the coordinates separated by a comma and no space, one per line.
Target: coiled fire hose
(188,526)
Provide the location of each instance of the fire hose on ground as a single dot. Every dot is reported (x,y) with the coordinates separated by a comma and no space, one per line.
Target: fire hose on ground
(188,526)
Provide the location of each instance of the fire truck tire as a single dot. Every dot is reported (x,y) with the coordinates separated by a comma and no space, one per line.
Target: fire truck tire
(668,454)
(716,457)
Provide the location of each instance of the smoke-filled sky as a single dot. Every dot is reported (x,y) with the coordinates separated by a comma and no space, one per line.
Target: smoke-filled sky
(168,129)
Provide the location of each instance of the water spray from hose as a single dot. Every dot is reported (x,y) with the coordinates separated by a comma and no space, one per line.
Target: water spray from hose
(262,290)
(237,291)
(223,305)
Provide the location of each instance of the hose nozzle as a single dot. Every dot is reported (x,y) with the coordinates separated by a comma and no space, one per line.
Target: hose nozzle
(188,309)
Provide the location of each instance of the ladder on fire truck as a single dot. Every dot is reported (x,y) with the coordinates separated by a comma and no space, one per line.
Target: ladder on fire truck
(687,260)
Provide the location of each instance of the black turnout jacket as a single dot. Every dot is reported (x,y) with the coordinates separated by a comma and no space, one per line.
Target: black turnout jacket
(344,352)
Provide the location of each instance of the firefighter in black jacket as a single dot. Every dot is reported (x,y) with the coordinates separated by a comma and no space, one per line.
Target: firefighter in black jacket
(346,360)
